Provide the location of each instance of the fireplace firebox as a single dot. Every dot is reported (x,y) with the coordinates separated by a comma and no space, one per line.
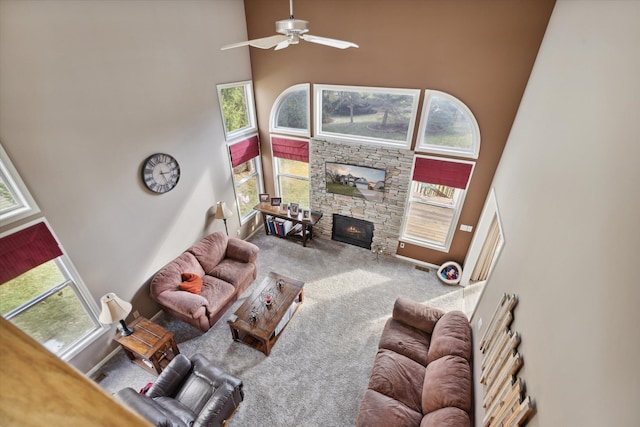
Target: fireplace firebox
(353,231)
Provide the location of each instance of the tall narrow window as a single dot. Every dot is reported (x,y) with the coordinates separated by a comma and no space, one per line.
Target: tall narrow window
(447,127)
(41,294)
(247,175)
(238,109)
(437,192)
(291,165)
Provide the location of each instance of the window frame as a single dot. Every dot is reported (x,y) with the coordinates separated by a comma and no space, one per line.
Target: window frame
(421,146)
(26,204)
(257,167)
(277,174)
(252,126)
(74,282)
(459,196)
(363,139)
(275,111)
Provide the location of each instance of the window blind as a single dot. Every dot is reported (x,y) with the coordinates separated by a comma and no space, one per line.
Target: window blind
(291,149)
(25,250)
(244,150)
(451,174)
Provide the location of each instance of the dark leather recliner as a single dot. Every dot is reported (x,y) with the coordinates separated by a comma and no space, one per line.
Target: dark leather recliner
(187,393)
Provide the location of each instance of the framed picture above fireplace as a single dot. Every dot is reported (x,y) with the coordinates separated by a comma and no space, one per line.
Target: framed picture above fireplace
(355,181)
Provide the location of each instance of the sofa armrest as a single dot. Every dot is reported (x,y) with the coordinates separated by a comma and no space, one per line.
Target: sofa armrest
(242,250)
(414,314)
(148,408)
(171,377)
(184,302)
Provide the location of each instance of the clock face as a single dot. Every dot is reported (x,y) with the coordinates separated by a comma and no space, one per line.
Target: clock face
(160,172)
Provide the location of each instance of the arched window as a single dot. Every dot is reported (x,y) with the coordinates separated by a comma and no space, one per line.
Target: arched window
(447,127)
(290,112)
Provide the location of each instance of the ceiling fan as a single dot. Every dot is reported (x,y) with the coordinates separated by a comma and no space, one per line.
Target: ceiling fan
(291,31)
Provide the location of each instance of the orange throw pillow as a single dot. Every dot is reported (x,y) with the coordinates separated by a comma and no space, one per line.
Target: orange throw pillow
(191,283)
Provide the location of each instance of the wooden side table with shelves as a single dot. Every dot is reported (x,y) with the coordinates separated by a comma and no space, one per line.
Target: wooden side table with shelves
(301,228)
(149,346)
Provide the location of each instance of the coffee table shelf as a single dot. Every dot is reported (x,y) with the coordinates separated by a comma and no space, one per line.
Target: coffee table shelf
(263,332)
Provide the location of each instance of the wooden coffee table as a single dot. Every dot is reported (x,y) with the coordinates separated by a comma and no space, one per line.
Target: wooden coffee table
(263,331)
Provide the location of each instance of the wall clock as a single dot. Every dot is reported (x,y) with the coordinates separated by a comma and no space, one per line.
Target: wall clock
(160,172)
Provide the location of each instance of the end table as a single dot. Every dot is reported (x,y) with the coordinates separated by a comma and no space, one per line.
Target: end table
(149,346)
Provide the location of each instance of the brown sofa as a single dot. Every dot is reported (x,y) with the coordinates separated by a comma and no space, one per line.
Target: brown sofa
(422,372)
(226,265)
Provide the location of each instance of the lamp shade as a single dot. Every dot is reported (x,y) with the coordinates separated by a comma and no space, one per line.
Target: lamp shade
(222,211)
(113,308)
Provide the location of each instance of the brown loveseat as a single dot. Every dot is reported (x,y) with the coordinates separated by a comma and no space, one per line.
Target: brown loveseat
(422,371)
(222,266)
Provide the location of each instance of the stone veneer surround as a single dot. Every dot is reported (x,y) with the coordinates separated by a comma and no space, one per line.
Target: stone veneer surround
(386,215)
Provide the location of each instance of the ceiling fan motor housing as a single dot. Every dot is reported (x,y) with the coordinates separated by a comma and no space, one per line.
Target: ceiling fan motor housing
(288,26)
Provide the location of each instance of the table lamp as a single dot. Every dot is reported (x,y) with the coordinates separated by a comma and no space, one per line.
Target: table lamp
(115,310)
(223,212)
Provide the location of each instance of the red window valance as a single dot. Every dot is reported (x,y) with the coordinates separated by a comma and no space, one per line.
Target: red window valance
(244,150)
(25,250)
(451,174)
(292,149)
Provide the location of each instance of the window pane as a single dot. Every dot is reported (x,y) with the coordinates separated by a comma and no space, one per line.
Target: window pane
(247,195)
(293,167)
(429,222)
(367,114)
(57,322)
(292,112)
(447,125)
(243,170)
(8,200)
(294,190)
(234,108)
(433,193)
(29,285)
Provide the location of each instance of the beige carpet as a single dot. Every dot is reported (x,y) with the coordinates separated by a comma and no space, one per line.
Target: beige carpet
(319,368)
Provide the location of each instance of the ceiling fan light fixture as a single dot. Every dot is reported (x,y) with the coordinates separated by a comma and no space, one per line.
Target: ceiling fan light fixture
(287,26)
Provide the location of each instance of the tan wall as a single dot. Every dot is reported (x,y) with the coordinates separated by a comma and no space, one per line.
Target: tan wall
(479,51)
(567,191)
(89,89)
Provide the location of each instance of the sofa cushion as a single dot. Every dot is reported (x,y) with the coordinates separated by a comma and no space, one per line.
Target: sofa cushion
(376,409)
(406,340)
(398,377)
(235,272)
(451,336)
(170,276)
(446,417)
(415,314)
(447,382)
(191,283)
(217,292)
(210,250)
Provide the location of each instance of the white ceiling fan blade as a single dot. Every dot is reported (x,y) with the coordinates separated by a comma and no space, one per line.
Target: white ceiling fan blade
(283,44)
(263,43)
(340,44)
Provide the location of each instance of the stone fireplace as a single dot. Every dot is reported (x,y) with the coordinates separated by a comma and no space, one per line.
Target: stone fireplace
(386,215)
(357,232)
